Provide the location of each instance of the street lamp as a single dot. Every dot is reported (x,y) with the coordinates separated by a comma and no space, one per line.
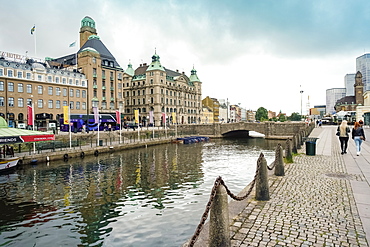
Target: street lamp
(301,101)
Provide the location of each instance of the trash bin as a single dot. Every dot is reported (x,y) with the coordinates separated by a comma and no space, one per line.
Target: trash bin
(100,143)
(311,145)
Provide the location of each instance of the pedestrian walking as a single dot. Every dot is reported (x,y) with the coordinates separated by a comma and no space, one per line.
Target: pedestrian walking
(343,133)
(358,136)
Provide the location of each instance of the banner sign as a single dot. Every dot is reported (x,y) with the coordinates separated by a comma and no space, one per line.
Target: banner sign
(31,138)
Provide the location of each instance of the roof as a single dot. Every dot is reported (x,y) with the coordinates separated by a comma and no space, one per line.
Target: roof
(346,100)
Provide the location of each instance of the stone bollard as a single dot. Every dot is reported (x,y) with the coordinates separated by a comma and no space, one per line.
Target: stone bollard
(262,183)
(288,152)
(299,140)
(279,159)
(219,233)
(294,148)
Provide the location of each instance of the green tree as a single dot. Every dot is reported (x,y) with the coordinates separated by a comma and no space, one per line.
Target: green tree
(295,117)
(282,118)
(261,114)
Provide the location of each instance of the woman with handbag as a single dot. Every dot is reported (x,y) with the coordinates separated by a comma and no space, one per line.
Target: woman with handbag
(343,133)
(358,136)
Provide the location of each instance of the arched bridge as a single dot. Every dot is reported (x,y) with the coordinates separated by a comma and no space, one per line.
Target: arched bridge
(271,130)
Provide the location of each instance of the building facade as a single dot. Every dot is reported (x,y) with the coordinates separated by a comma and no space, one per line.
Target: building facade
(363,65)
(332,96)
(27,82)
(213,104)
(349,81)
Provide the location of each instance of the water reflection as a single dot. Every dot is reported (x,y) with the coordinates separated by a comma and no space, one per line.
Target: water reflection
(142,197)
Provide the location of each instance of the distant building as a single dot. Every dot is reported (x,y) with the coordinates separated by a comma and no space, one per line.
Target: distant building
(363,65)
(213,104)
(207,115)
(349,103)
(251,116)
(332,96)
(318,111)
(271,114)
(349,82)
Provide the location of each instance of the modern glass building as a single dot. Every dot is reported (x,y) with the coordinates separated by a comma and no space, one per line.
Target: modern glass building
(363,65)
(349,82)
(332,95)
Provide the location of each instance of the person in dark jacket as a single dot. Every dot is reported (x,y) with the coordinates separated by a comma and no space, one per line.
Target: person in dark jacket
(358,136)
(343,133)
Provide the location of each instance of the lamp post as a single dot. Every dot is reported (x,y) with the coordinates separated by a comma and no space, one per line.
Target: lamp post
(301,101)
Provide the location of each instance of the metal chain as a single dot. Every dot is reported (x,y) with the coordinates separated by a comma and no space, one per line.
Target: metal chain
(219,181)
(205,214)
(277,154)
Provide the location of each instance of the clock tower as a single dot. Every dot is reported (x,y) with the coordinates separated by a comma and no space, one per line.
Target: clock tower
(87,29)
(359,89)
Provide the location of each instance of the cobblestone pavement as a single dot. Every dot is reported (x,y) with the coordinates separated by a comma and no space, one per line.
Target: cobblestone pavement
(312,205)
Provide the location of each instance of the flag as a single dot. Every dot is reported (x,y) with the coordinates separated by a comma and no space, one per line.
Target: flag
(174,117)
(72,44)
(66,114)
(163,117)
(151,118)
(96,114)
(33,29)
(136,116)
(118,117)
(29,115)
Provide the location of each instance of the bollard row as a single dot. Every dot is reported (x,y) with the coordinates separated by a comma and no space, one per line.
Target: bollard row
(217,204)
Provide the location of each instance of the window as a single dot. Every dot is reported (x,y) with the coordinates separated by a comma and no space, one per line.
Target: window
(10,73)
(83,83)
(10,87)
(120,95)
(29,102)
(65,103)
(11,101)
(1,86)
(70,81)
(29,88)
(20,87)
(49,78)
(57,91)
(78,105)
(94,60)
(104,105)
(83,93)
(77,82)
(50,90)
(20,74)
(2,101)
(57,104)
(28,76)
(64,92)
(71,104)
(39,89)
(111,105)
(39,77)
(56,79)
(20,102)
(64,81)
(78,93)
(83,105)
(40,103)
(1,72)
(144,92)
(50,104)
(71,93)
(127,94)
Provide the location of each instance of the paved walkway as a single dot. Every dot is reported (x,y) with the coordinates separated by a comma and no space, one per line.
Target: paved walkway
(323,200)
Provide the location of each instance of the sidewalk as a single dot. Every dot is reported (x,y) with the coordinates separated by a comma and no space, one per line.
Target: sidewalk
(323,200)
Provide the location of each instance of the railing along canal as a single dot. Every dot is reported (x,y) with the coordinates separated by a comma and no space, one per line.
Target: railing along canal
(217,206)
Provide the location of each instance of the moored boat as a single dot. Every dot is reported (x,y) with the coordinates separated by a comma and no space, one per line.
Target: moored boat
(8,163)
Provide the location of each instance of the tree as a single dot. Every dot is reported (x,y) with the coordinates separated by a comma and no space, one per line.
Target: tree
(295,117)
(261,114)
(282,118)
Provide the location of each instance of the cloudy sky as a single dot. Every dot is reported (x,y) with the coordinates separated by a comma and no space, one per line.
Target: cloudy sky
(256,53)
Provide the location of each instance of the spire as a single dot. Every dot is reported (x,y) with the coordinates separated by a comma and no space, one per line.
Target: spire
(193,76)
(130,71)
(156,64)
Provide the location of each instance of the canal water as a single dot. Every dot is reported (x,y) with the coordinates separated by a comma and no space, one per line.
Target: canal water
(152,196)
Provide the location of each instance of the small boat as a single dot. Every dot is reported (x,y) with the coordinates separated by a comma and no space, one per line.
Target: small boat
(8,163)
